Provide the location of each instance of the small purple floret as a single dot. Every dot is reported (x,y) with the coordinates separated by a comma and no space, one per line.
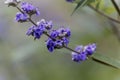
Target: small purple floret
(20,17)
(59,37)
(47,24)
(90,48)
(35,31)
(50,45)
(84,51)
(81,56)
(29,9)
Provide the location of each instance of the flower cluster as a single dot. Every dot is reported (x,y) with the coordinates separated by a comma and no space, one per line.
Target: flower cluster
(29,9)
(42,27)
(26,11)
(20,17)
(57,38)
(83,52)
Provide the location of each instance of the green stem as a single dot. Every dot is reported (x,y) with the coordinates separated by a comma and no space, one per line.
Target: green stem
(32,21)
(66,47)
(99,61)
(101,13)
(45,33)
(116,6)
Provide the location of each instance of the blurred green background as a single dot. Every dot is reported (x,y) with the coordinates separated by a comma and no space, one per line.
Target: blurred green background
(22,58)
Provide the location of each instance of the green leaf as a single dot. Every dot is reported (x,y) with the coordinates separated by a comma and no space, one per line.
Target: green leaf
(90,1)
(80,4)
(106,60)
(98,4)
(109,10)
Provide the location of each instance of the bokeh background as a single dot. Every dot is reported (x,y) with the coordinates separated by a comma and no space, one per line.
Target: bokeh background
(22,58)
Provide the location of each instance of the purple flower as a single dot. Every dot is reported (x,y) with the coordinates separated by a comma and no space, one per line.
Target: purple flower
(54,34)
(61,42)
(20,17)
(81,56)
(30,31)
(90,48)
(29,9)
(35,31)
(64,32)
(75,57)
(79,48)
(38,31)
(84,51)
(58,44)
(59,37)
(65,41)
(50,45)
(70,1)
(47,24)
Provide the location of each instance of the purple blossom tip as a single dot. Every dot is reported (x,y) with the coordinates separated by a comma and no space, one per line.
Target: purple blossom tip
(29,9)
(20,17)
(50,45)
(59,37)
(81,56)
(47,24)
(35,31)
(84,51)
(90,48)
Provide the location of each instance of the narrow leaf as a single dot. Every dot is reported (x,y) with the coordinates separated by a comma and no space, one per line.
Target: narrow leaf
(98,4)
(90,1)
(80,4)
(106,60)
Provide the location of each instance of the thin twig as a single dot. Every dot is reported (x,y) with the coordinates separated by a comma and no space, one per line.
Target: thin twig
(32,21)
(114,27)
(66,47)
(19,9)
(29,16)
(70,49)
(116,6)
(115,30)
(101,13)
